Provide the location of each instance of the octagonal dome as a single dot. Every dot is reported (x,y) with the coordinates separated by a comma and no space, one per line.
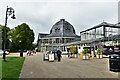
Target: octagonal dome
(62,29)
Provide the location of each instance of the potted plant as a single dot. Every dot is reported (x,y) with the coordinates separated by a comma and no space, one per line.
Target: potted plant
(99,54)
(85,55)
(73,50)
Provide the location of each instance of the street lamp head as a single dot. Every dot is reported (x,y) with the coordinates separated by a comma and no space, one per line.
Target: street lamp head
(13,16)
(10,11)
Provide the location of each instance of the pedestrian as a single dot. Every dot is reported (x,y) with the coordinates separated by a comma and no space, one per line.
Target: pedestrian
(35,50)
(32,52)
(95,52)
(53,52)
(27,52)
(68,50)
(59,55)
(111,51)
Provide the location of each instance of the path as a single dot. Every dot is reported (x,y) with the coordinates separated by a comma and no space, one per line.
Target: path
(35,67)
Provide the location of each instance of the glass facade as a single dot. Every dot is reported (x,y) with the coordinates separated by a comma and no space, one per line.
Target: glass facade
(109,31)
(53,43)
(92,34)
(99,32)
(56,40)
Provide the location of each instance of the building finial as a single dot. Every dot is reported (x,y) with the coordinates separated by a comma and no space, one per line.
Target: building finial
(62,19)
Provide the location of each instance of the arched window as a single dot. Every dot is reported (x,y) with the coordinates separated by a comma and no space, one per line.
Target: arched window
(67,29)
(57,30)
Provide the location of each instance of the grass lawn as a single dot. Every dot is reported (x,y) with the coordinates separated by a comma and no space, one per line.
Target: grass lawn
(12,67)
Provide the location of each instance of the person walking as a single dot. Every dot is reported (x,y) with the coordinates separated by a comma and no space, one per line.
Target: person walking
(68,51)
(53,52)
(59,55)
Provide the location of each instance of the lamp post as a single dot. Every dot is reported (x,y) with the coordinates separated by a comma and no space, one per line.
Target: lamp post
(9,11)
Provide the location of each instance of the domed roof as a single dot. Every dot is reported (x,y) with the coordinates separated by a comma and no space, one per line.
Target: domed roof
(62,29)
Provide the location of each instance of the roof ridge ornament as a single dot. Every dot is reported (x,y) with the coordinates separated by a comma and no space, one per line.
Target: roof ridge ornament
(62,19)
(104,23)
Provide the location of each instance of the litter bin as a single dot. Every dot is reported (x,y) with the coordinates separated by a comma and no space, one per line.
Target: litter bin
(114,62)
(21,54)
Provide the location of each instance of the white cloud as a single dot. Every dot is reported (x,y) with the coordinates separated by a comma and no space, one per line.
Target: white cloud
(60,1)
(41,15)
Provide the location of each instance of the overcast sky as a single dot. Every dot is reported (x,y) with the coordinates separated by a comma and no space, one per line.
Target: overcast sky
(41,15)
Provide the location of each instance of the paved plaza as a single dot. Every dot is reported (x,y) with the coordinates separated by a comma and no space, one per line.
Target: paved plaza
(35,67)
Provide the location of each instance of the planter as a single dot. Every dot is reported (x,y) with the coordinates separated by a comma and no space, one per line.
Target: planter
(85,57)
(99,56)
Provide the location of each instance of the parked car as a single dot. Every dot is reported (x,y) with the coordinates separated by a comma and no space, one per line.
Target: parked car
(46,55)
(7,52)
(1,52)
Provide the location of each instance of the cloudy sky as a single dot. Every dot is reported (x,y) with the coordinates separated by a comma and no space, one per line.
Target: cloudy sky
(40,15)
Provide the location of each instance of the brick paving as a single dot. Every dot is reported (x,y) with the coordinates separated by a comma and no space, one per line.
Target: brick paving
(35,67)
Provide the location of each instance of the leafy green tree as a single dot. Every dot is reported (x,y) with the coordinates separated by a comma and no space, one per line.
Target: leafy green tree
(34,45)
(22,37)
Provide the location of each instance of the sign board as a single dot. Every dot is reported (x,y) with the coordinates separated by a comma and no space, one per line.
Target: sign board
(51,57)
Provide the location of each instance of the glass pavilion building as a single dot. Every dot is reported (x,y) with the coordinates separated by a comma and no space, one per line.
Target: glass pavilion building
(102,34)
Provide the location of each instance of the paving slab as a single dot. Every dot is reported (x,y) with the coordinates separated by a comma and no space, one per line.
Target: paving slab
(35,67)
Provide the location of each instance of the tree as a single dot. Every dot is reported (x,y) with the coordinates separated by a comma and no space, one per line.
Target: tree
(34,45)
(22,37)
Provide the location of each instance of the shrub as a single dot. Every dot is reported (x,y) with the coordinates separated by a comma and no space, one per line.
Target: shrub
(73,50)
(85,51)
(98,51)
